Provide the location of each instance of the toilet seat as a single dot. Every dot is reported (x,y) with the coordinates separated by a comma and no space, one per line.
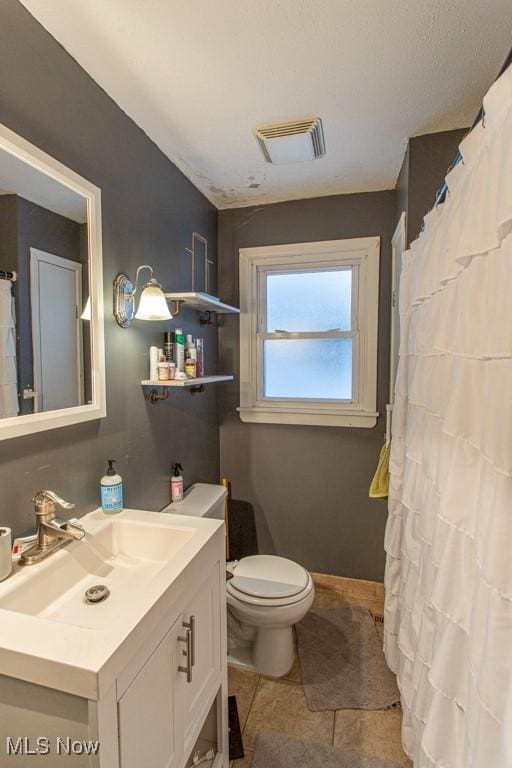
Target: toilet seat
(269,580)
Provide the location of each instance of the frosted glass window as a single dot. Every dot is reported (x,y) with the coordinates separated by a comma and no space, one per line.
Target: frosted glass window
(309,301)
(320,369)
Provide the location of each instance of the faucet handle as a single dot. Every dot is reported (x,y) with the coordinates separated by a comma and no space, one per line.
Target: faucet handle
(45,502)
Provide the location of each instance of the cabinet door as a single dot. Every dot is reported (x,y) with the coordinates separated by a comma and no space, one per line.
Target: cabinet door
(150,716)
(206,611)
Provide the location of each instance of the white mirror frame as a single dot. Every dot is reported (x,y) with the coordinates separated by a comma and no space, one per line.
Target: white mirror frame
(15,426)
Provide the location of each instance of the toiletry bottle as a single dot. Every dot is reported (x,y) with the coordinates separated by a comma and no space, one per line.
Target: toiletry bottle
(169,346)
(153,363)
(177,483)
(163,370)
(199,357)
(190,368)
(111,486)
(190,358)
(179,350)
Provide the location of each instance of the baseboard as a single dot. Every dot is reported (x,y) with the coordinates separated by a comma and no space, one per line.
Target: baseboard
(359,591)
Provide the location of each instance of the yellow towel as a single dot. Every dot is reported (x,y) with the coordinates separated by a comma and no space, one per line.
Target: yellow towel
(380,484)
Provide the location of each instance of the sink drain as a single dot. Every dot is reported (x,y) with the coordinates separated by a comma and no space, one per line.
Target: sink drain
(97,594)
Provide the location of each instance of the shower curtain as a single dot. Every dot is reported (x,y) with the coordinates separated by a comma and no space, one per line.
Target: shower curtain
(8,382)
(448,612)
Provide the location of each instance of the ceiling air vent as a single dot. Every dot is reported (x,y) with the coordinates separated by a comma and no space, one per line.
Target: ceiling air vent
(292,142)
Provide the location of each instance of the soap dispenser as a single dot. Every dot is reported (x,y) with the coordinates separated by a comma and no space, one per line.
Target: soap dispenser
(111,485)
(177,483)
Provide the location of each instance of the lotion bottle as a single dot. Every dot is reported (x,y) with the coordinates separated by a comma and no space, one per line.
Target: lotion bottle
(177,483)
(179,350)
(111,485)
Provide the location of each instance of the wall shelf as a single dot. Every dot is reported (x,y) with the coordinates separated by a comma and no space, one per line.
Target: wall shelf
(186,382)
(202,302)
(191,385)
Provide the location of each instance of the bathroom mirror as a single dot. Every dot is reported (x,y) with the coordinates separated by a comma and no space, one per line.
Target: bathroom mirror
(52,370)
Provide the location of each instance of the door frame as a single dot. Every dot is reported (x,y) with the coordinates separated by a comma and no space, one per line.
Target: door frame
(36,257)
(398,246)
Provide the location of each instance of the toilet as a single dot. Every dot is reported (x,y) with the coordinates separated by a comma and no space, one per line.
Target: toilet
(266,595)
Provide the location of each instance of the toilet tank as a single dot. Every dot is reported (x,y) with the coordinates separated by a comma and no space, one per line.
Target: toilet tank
(201,500)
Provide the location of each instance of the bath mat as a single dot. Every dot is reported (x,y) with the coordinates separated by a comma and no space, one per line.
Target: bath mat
(342,662)
(236,747)
(276,750)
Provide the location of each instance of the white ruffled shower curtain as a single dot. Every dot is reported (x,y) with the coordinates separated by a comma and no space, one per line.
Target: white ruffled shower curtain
(8,381)
(448,613)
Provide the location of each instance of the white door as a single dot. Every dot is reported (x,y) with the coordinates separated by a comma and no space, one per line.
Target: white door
(398,246)
(56,297)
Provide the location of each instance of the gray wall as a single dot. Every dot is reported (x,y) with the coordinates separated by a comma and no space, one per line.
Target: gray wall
(308,485)
(426,162)
(149,212)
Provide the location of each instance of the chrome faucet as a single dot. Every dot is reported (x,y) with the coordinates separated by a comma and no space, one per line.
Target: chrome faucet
(52,532)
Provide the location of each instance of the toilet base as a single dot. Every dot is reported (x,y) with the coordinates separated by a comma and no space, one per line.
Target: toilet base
(272,653)
(242,657)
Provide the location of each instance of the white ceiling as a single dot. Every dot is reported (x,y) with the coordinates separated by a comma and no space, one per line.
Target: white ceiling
(199,75)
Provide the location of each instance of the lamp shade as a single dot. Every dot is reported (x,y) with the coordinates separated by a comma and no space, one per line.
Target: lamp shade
(152,304)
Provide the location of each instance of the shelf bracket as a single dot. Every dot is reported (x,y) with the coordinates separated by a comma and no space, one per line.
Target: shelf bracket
(206,318)
(195,390)
(174,306)
(154,396)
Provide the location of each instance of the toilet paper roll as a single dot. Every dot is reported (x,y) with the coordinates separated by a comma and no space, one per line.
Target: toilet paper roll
(5,553)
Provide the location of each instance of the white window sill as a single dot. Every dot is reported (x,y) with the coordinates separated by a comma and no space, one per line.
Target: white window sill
(364,419)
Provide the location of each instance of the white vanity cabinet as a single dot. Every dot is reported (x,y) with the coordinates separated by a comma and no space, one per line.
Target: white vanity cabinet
(144,673)
(161,712)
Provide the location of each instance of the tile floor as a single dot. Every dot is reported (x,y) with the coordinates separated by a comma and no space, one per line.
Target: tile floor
(280,705)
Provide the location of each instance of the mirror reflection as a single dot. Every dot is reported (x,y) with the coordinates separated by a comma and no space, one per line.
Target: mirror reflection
(45,339)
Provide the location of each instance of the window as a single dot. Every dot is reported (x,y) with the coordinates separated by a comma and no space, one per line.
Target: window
(308,333)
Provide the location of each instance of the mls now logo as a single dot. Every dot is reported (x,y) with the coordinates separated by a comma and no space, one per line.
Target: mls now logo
(42,745)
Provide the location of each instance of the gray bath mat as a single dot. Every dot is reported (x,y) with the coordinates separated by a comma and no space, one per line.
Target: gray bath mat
(342,662)
(276,750)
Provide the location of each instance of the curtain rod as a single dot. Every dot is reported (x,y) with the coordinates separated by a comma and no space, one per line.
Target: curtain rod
(441,195)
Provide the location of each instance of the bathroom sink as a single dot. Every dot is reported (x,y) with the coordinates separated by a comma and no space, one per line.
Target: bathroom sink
(123,555)
(51,635)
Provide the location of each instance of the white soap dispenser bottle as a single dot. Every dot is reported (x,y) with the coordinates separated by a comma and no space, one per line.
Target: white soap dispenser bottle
(111,485)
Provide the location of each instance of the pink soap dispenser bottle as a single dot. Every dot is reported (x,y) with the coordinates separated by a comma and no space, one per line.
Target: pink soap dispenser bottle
(177,483)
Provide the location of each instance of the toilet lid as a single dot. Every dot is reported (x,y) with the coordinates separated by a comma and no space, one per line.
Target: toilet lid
(269,576)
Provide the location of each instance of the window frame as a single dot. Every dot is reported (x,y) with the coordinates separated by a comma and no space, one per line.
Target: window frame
(362,256)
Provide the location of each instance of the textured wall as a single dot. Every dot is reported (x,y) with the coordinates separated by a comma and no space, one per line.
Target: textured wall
(308,485)
(149,212)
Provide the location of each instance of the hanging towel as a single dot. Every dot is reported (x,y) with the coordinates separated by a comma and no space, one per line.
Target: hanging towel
(9,405)
(380,483)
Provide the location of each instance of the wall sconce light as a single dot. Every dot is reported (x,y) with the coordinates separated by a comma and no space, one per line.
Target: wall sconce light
(152,303)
